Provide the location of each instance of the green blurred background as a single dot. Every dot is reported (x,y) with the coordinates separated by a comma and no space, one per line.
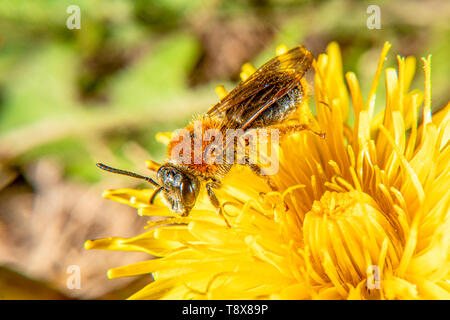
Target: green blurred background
(71,98)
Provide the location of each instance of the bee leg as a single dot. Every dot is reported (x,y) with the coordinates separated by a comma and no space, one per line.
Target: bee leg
(155,193)
(258,171)
(215,202)
(292,128)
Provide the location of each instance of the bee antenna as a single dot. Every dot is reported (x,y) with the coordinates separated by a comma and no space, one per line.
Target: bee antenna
(127,173)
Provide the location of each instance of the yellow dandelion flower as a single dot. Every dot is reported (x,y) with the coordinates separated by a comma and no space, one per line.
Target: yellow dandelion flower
(362,214)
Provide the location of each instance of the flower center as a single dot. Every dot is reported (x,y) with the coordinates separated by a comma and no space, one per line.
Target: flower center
(347,235)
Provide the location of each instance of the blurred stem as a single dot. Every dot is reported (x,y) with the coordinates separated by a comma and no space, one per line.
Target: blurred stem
(91,124)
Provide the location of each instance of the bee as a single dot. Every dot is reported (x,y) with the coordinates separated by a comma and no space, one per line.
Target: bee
(266,99)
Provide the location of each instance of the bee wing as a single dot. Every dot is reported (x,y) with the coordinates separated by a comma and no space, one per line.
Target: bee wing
(264,87)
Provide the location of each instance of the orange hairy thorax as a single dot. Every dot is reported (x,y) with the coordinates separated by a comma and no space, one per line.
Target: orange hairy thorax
(187,146)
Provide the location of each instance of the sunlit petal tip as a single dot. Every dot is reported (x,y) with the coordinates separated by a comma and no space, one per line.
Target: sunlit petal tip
(88,245)
(221,92)
(246,71)
(152,165)
(281,49)
(107,193)
(163,137)
(110,274)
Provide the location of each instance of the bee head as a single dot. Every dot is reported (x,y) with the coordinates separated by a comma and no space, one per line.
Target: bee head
(180,188)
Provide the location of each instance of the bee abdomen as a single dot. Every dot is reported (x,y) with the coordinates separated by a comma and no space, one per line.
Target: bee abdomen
(281,109)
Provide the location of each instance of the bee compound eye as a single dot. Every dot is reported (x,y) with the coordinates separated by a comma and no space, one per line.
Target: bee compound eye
(161,173)
(177,180)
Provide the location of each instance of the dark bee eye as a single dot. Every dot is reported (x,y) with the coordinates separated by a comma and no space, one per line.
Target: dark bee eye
(188,193)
